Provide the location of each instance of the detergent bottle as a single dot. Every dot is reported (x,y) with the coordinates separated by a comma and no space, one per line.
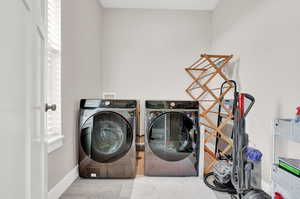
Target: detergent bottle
(298,115)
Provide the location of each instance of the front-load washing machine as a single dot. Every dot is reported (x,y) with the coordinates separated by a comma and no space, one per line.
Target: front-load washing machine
(172,138)
(107,138)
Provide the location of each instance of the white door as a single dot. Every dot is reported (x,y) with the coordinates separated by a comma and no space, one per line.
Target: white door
(37,153)
(22,147)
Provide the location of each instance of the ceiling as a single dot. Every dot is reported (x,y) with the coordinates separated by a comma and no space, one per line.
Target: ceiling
(161,4)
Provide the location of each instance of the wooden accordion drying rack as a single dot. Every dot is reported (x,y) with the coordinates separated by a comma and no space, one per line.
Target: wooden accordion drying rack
(203,73)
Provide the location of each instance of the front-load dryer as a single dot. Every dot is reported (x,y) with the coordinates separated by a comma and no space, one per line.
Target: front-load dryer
(172,138)
(107,138)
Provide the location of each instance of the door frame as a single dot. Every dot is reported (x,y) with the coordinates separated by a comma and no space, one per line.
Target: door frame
(36,12)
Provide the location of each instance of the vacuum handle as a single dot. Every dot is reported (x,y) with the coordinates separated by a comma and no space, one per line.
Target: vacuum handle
(252,99)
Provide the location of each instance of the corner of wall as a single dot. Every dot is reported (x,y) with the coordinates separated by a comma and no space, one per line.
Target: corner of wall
(211,30)
(267,187)
(100,4)
(101,46)
(64,184)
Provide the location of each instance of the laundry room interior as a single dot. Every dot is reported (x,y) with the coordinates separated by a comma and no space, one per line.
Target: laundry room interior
(159,99)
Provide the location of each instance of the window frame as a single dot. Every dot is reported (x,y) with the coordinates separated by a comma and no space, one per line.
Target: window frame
(54,141)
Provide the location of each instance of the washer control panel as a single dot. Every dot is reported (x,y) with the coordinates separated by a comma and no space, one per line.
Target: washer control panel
(105,103)
(172,104)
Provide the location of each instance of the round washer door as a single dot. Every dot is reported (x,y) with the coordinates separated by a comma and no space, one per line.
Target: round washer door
(171,135)
(106,137)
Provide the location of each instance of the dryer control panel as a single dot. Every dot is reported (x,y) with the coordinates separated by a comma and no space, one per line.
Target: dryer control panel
(172,104)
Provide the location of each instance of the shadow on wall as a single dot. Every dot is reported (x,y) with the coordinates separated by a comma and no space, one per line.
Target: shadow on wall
(232,71)
(76,137)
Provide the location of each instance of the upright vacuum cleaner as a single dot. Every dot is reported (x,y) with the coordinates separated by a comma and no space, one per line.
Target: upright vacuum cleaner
(234,173)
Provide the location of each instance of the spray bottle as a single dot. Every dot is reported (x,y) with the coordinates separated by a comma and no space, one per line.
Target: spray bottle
(297,120)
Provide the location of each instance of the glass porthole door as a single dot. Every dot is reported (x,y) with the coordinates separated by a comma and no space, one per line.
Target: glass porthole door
(171,136)
(106,137)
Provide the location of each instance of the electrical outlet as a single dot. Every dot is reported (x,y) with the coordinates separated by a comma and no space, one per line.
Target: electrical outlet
(109,95)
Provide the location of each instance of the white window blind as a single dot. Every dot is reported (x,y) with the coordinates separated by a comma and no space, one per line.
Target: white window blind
(54,67)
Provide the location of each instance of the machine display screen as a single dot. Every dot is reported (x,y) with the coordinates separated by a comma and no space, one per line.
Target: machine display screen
(92,103)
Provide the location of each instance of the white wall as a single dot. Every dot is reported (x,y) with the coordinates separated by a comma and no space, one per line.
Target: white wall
(14,41)
(145,51)
(265,35)
(81,71)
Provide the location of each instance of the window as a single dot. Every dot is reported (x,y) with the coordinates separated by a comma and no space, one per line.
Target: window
(54,129)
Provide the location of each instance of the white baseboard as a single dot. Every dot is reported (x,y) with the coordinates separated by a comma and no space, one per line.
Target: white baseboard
(267,187)
(63,185)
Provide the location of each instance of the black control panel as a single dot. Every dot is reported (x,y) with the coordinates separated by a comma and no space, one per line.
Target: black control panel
(172,104)
(107,103)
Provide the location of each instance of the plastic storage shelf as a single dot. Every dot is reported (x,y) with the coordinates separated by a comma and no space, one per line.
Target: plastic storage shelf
(284,182)
(287,182)
(288,129)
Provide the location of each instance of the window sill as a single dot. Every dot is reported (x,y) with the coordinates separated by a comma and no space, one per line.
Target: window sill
(55,142)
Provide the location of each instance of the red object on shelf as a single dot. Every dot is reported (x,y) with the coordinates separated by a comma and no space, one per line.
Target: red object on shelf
(278,196)
(298,110)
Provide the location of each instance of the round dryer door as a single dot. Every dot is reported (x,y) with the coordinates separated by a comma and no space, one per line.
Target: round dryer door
(171,136)
(106,137)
